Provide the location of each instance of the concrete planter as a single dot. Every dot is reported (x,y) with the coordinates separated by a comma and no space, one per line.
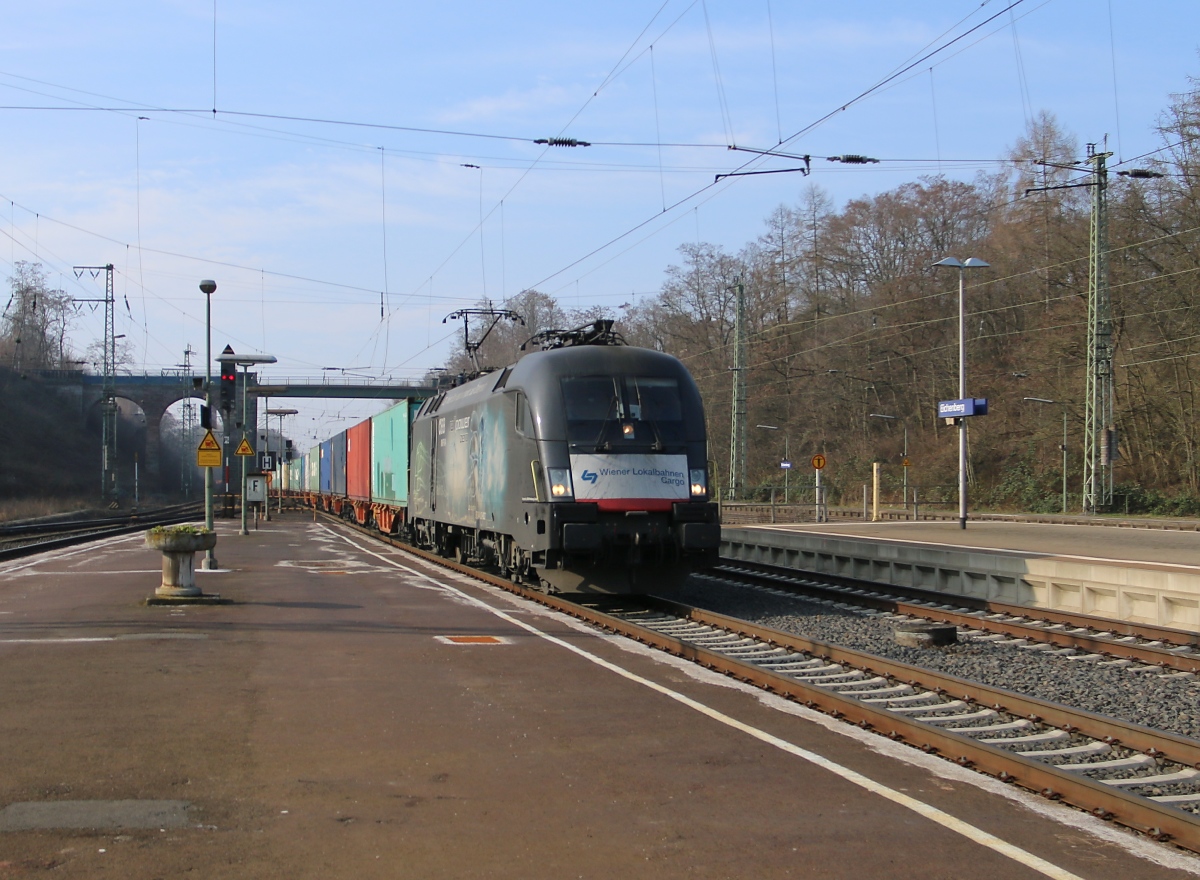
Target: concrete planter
(179,561)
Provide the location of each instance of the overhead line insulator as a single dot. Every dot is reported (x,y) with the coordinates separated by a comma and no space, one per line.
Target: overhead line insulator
(854,159)
(562,142)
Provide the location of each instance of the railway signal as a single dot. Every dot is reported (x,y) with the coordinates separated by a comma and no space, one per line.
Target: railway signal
(228,385)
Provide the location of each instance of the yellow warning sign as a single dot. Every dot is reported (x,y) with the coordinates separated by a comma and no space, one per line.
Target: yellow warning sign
(244,448)
(208,453)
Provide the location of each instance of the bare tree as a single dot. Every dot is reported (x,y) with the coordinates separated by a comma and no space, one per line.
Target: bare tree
(36,321)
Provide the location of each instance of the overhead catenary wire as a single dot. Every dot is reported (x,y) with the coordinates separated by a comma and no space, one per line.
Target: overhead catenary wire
(800,132)
(1022,82)
(1112,45)
(657,129)
(937,138)
(774,72)
(722,102)
(383,220)
(562,131)
(224,263)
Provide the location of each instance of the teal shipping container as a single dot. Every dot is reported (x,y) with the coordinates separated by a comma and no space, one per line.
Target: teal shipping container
(389,453)
(312,469)
(295,474)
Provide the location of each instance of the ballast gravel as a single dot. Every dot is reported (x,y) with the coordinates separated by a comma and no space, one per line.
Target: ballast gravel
(1163,703)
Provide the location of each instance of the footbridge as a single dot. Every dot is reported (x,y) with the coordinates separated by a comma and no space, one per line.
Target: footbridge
(155,393)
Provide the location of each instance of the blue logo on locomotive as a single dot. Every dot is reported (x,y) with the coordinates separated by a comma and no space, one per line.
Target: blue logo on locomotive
(589,476)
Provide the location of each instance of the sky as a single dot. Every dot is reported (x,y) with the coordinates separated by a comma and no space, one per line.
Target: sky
(368,157)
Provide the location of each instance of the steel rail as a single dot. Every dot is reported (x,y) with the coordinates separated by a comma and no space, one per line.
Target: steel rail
(1159,821)
(916,602)
(1141,814)
(54,525)
(142,523)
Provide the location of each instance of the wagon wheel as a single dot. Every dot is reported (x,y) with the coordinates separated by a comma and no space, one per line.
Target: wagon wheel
(520,566)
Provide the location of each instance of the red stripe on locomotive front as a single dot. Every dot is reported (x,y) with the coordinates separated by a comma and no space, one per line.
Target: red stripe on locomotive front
(620,505)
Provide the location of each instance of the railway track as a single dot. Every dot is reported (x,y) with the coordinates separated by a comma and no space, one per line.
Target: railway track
(24,539)
(1144,779)
(1078,636)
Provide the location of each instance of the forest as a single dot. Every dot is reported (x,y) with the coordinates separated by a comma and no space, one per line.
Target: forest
(849,322)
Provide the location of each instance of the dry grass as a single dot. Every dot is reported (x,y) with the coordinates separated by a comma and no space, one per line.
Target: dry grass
(12,509)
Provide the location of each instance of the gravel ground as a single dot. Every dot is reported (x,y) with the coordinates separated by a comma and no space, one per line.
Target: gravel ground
(1167,704)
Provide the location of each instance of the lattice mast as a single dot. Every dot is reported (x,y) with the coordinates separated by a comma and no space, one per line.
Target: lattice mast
(188,415)
(108,389)
(737,432)
(1099,444)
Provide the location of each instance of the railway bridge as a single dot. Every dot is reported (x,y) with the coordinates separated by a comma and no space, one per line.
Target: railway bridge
(155,393)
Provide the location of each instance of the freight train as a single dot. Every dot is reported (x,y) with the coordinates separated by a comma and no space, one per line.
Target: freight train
(582,467)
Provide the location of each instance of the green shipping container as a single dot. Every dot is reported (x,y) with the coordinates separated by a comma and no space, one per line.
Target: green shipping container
(312,469)
(389,453)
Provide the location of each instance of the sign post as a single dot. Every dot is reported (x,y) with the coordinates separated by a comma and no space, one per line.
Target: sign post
(958,411)
(208,453)
(818,463)
(244,451)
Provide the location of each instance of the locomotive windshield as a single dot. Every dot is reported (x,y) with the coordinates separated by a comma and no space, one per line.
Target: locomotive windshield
(608,411)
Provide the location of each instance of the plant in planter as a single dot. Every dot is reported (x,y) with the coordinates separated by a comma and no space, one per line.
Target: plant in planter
(178,545)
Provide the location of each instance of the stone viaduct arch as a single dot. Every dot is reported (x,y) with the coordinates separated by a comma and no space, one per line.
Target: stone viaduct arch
(155,394)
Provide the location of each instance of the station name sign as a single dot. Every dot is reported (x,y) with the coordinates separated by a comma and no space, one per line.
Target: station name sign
(957,409)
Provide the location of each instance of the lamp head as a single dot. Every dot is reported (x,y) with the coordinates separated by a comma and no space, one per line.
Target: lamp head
(208,286)
(249,360)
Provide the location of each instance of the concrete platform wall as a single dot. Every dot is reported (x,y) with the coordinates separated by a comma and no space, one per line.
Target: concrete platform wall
(1142,593)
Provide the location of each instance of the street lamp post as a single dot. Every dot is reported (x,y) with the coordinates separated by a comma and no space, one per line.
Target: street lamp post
(903,424)
(785,457)
(279,466)
(208,287)
(1064,445)
(962,266)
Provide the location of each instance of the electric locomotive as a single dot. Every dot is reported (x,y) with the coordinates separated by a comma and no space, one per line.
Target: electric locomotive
(580,468)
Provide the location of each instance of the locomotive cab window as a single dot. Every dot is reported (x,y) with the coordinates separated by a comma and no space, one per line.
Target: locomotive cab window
(611,411)
(523,418)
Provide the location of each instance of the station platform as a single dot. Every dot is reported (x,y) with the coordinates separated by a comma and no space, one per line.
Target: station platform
(354,713)
(1140,575)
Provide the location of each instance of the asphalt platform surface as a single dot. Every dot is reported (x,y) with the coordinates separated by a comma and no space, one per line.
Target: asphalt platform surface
(325,725)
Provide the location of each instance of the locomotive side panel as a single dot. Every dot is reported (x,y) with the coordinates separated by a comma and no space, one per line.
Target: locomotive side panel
(420,472)
(525,479)
(471,449)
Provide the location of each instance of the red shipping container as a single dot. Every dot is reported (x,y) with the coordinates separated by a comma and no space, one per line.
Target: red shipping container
(358,461)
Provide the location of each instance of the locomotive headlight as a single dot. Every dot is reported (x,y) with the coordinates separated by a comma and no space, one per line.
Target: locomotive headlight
(560,482)
(627,430)
(699,480)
